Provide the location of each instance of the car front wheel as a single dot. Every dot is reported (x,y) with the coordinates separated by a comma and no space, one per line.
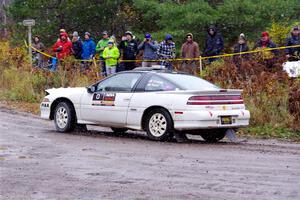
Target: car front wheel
(64,117)
(159,125)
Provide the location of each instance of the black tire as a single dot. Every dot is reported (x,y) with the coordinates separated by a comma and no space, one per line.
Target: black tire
(159,125)
(119,130)
(64,117)
(214,135)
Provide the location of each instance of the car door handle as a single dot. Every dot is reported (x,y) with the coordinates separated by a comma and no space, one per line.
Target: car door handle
(126,99)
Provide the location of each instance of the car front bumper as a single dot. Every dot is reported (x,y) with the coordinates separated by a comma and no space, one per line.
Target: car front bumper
(45,110)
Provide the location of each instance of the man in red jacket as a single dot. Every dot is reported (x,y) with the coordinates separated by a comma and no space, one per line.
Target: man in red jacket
(63,47)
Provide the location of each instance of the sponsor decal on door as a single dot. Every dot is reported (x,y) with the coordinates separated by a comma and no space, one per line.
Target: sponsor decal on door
(104,99)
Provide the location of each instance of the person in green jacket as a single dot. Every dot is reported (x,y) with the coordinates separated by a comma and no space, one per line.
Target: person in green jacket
(100,48)
(111,54)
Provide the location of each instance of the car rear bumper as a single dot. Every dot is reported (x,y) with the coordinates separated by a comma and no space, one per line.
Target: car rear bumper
(191,120)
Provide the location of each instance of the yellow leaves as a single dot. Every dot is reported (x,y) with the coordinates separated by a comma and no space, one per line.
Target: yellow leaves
(13,57)
(279,32)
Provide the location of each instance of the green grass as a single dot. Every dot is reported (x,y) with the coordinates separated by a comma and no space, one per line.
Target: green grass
(269,131)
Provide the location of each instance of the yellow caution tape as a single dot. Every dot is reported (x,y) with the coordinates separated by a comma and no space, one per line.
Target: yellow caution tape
(176,59)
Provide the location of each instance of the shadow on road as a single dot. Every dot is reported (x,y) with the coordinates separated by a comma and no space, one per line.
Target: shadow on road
(138,135)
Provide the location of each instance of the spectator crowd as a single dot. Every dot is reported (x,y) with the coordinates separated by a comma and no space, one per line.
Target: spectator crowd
(109,50)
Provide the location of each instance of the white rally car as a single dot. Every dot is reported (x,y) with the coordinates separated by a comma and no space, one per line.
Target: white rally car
(158,102)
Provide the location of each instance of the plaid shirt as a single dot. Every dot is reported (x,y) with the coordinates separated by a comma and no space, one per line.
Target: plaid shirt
(166,50)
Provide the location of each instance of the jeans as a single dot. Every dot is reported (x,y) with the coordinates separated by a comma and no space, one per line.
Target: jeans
(167,64)
(148,64)
(102,67)
(110,70)
(38,60)
(189,67)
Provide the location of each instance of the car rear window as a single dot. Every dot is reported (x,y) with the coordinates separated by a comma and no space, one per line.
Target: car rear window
(189,82)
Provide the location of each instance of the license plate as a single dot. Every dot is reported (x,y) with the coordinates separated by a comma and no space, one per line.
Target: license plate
(226,120)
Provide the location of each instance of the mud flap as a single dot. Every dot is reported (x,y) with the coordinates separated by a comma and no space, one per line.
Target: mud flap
(180,137)
(230,134)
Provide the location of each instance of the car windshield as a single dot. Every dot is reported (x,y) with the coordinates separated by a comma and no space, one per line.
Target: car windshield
(188,82)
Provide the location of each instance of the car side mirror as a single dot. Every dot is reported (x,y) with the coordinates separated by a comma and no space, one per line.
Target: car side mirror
(91,89)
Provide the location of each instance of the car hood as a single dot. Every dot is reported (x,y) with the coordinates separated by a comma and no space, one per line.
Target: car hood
(66,91)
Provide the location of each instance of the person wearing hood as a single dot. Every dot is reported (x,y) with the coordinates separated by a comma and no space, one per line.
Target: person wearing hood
(293,40)
(189,50)
(62,30)
(38,45)
(167,50)
(149,47)
(111,54)
(239,47)
(266,42)
(88,48)
(129,49)
(77,45)
(214,43)
(63,47)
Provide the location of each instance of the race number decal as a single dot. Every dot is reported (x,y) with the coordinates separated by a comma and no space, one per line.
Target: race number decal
(104,99)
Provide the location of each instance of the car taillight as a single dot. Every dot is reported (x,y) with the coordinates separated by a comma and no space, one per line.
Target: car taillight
(215,100)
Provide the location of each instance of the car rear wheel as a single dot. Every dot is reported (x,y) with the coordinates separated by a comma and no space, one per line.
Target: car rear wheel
(64,117)
(119,130)
(214,135)
(159,125)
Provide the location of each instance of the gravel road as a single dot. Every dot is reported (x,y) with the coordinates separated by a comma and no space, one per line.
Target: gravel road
(38,163)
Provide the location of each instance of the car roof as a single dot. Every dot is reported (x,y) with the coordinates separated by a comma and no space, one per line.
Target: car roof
(154,70)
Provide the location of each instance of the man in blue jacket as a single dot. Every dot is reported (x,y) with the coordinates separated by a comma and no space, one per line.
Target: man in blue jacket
(88,48)
(214,43)
(150,47)
(88,51)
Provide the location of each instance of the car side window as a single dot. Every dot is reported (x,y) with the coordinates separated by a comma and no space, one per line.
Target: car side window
(157,83)
(119,83)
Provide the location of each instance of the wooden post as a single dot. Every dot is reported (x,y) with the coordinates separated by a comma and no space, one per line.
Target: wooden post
(200,65)
(29,23)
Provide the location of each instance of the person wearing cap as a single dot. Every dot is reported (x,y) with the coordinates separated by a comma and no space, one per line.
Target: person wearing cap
(77,45)
(214,43)
(293,40)
(149,48)
(63,47)
(189,50)
(167,50)
(89,47)
(100,48)
(240,46)
(129,49)
(111,54)
(62,30)
(37,57)
(88,51)
(266,42)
